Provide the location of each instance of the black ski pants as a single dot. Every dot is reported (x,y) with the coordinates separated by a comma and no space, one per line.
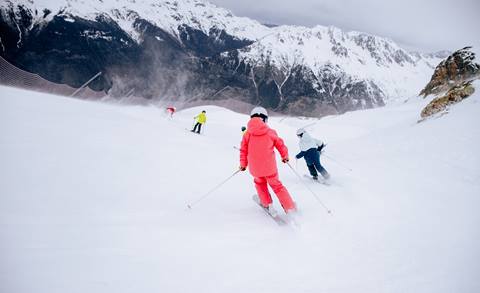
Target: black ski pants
(199,125)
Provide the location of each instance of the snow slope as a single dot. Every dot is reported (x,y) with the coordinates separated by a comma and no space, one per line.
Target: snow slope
(92,199)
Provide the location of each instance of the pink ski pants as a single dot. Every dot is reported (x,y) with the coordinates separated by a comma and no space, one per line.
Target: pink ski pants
(277,187)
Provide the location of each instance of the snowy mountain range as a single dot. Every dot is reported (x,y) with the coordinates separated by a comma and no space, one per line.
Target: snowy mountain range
(191,51)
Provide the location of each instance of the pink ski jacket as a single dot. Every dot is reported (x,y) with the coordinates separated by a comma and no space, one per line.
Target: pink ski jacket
(256,150)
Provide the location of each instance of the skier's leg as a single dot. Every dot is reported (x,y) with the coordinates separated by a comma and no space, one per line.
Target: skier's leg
(312,170)
(321,169)
(262,191)
(199,128)
(281,192)
(195,127)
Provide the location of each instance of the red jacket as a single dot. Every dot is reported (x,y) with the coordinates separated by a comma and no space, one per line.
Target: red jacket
(256,150)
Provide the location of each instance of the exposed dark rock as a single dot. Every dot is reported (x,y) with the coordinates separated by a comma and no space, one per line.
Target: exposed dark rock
(203,45)
(456,68)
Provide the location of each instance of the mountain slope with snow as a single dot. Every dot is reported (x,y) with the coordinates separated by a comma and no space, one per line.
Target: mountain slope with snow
(365,57)
(93,199)
(191,50)
(165,14)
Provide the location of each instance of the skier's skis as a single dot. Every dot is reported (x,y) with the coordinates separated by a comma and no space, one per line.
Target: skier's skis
(292,219)
(274,215)
(189,130)
(319,180)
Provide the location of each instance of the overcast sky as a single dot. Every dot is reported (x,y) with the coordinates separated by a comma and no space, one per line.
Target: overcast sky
(424,25)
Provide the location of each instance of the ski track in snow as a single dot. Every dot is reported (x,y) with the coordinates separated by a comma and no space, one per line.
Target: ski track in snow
(93,199)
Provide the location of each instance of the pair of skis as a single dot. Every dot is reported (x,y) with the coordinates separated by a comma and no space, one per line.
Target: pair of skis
(274,215)
(189,130)
(318,180)
(290,219)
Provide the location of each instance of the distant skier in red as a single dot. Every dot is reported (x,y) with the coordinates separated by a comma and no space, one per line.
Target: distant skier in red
(171,111)
(257,153)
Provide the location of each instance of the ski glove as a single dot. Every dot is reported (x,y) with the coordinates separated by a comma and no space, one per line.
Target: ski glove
(242,168)
(321,147)
(285,160)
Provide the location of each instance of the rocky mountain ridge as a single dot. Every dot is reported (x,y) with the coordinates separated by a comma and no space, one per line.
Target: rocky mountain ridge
(193,51)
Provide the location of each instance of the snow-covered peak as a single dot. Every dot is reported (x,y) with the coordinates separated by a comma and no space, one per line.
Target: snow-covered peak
(168,15)
(364,56)
(315,45)
(357,57)
(321,44)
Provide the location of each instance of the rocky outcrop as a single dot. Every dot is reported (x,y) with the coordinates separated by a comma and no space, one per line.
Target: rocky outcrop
(454,95)
(455,69)
(451,82)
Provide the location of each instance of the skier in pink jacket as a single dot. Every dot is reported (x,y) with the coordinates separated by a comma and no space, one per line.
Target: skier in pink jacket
(257,153)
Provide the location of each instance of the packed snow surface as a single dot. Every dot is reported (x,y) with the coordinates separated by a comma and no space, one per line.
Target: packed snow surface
(93,199)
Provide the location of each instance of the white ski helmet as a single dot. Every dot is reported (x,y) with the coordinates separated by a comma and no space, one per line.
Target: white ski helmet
(300,131)
(259,111)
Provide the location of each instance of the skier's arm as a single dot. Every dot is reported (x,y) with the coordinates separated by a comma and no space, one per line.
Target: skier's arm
(280,146)
(320,148)
(320,144)
(244,151)
(300,155)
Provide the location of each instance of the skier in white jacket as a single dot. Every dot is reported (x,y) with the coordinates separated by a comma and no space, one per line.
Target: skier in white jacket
(310,149)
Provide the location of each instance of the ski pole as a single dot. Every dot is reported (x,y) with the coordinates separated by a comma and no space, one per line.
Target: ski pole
(190,205)
(340,164)
(311,191)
